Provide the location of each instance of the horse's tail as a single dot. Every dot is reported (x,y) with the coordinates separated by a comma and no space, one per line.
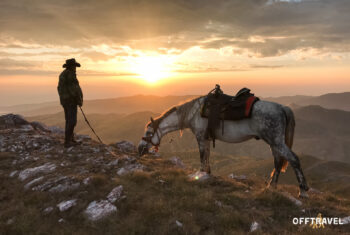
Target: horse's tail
(289,133)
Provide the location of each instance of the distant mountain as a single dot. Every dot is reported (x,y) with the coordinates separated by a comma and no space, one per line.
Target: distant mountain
(157,104)
(331,100)
(319,132)
(122,105)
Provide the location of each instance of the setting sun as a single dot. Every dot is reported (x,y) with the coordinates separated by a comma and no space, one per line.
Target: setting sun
(152,69)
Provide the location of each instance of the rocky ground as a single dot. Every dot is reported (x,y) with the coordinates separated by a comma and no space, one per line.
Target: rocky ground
(98,189)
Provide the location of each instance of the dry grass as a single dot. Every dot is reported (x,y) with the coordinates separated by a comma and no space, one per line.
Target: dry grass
(159,197)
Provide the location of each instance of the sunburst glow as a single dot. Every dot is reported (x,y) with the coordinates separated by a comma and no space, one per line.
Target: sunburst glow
(152,69)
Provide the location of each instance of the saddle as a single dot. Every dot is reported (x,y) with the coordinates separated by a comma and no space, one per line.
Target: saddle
(219,107)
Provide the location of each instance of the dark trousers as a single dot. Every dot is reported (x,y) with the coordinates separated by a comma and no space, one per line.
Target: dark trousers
(70,114)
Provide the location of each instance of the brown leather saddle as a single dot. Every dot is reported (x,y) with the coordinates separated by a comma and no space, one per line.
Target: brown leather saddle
(219,107)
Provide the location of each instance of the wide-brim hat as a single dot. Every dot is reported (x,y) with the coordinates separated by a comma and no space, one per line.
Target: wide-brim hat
(71,62)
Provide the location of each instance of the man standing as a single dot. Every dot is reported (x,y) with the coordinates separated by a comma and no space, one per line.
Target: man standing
(71,96)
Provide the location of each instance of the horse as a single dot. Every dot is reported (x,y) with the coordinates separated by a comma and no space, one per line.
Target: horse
(269,121)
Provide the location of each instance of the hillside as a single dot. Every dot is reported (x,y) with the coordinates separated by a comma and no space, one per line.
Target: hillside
(86,190)
(329,176)
(320,132)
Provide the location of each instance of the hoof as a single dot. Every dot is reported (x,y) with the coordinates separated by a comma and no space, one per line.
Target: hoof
(303,194)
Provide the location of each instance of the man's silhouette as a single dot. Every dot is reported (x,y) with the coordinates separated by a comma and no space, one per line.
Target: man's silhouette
(71,96)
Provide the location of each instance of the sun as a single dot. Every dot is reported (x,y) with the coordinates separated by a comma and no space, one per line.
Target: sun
(152,69)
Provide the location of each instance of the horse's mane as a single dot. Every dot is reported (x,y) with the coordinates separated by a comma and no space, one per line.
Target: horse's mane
(182,108)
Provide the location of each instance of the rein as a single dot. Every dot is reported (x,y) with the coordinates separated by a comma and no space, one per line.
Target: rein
(99,139)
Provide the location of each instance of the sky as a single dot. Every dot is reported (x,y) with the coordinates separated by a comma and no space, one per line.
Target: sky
(174,47)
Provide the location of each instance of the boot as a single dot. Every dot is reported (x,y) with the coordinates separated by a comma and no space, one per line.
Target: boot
(74,141)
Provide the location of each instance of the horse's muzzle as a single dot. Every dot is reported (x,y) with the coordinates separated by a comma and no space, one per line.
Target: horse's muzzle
(142,148)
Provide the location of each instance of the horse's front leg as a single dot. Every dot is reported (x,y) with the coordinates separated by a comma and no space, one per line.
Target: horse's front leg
(204,151)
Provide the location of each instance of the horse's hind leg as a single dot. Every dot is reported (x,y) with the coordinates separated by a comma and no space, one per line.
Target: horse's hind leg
(279,161)
(204,151)
(283,150)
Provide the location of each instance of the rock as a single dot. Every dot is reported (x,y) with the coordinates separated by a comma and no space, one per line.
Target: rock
(64,187)
(61,220)
(314,191)
(218,203)
(113,163)
(83,137)
(87,180)
(39,126)
(345,220)
(130,169)
(34,181)
(199,176)
(125,146)
(48,210)
(237,177)
(26,128)
(12,121)
(13,173)
(178,223)
(65,205)
(292,199)
(56,130)
(115,194)
(98,210)
(254,226)
(10,221)
(177,162)
(48,184)
(30,172)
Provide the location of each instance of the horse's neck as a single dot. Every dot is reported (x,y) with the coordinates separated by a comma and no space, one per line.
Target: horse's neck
(188,113)
(169,124)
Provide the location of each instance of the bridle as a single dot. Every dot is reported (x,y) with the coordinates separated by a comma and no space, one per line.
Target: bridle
(156,131)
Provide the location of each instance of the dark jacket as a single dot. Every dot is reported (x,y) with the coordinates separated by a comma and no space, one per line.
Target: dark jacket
(69,89)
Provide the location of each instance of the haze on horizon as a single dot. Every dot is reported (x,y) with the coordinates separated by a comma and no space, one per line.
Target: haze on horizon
(274,47)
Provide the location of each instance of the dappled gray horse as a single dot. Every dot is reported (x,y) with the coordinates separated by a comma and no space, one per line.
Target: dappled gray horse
(269,121)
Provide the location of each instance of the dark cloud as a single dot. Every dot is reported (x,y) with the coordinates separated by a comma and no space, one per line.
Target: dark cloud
(153,24)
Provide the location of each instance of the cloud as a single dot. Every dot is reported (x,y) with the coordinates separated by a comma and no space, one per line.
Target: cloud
(283,26)
(10,63)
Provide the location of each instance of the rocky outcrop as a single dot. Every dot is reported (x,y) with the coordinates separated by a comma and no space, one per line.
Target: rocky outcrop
(125,146)
(30,172)
(99,209)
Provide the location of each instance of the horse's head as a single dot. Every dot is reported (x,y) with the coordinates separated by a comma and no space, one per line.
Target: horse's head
(150,138)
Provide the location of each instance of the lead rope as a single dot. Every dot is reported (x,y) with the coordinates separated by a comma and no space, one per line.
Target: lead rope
(87,121)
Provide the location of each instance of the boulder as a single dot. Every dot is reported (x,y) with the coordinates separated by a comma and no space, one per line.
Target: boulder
(254,226)
(237,177)
(30,172)
(67,185)
(65,205)
(177,162)
(48,210)
(125,146)
(130,168)
(292,199)
(199,176)
(40,126)
(97,210)
(115,194)
(34,181)
(12,121)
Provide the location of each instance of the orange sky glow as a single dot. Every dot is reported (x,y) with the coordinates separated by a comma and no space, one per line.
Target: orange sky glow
(148,49)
